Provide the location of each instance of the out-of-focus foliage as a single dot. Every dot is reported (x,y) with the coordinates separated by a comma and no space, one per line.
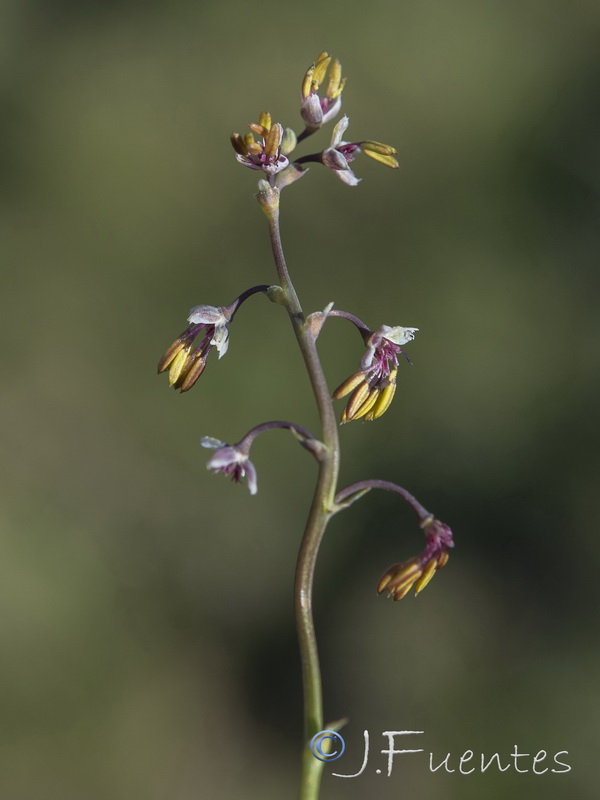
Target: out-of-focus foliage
(147,642)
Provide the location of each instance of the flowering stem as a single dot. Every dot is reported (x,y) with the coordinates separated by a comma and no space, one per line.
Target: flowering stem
(363,329)
(304,135)
(388,486)
(321,510)
(313,158)
(233,308)
(273,425)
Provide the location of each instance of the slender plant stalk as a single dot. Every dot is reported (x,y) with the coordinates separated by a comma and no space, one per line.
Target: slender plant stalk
(320,513)
(369,390)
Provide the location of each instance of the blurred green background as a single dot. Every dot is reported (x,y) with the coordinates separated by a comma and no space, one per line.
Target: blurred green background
(147,642)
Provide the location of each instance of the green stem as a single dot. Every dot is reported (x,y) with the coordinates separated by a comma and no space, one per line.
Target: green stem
(320,512)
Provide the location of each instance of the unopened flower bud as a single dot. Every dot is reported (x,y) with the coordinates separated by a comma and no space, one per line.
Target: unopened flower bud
(276,295)
(289,141)
(333,159)
(311,112)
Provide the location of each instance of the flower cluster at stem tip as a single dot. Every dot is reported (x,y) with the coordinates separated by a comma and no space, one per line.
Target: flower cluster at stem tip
(271,153)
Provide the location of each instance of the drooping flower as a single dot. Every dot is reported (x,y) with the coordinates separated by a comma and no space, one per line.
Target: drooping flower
(398,580)
(187,362)
(231,460)
(317,110)
(265,154)
(340,154)
(374,385)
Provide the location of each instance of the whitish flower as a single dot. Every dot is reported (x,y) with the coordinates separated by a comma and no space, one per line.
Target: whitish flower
(187,362)
(231,460)
(340,154)
(374,385)
(265,154)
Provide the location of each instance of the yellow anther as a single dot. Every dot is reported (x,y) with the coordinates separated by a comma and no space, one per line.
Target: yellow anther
(443,559)
(348,385)
(252,146)
(399,594)
(273,140)
(383,582)
(358,397)
(265,120)
(178,364)
(367,405)
(384,400)
(321,68)
(249,140)
(388,160)
(377,147)
(258,129)
(308,82)
(196,369)
(335,83)
(238,144)
(406,580)
(427,575)
(171,353)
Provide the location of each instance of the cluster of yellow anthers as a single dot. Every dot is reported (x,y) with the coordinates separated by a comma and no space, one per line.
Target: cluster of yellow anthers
(185,360)
(368,401)
(269,154)
(184,366)
(315,75)
(399,579)
(384,153)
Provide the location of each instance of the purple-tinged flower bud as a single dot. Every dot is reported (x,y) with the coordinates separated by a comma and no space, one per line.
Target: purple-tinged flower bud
(266,154)
(333,159)
(231,460)
(399,579)
(289,141)
(372,388)
(276,295)
(316,110)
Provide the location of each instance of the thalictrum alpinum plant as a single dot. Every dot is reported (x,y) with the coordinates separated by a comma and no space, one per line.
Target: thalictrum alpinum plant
(269,149)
